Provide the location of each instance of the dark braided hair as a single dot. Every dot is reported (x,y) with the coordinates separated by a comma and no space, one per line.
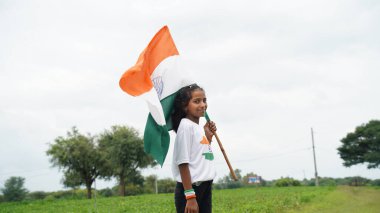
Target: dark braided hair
(180,102)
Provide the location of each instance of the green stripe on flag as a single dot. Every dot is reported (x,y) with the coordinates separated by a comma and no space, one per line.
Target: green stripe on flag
(168,106)
(156,140)
(156,137)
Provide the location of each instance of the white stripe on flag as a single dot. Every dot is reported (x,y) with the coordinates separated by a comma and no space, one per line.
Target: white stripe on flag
(154,106)
(169,77)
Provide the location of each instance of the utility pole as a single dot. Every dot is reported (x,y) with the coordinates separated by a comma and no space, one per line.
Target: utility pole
(155,183)
(315,162)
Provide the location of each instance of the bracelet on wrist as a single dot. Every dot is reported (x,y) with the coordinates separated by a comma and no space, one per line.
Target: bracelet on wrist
(190,197)
(189,194)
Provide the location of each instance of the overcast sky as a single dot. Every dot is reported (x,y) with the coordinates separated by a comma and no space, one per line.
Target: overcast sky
(271,71)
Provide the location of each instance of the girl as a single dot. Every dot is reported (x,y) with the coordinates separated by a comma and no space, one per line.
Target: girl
(192,166)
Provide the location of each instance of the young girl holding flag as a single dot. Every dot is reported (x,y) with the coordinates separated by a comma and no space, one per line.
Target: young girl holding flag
(192,166)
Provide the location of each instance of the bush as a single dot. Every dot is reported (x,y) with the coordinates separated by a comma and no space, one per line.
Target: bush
(228,185)
(328,183)
(325,181)
(107,192)
(227,181)
(287,182)
(375,182)
(150,184)
(166,185)
(358,181)
(49,198)
(69,194)
(132,189)
(38,195)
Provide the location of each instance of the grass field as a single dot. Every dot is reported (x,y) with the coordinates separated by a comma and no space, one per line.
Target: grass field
(345,199)
(265,199)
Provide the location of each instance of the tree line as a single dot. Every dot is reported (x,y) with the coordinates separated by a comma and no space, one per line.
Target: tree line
(14,190)
(119,153)
(227,182)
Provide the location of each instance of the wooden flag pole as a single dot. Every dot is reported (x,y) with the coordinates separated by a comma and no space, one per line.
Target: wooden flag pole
(225,157)
(222,149)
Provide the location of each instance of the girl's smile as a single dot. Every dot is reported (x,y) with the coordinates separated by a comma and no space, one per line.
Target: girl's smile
(197,106)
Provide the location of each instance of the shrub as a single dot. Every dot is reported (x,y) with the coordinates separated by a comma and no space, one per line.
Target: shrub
(375,182)
(358,181)
(49,198)
(69,194)
(132,189)
(107,192)
(287,182)
(38,195)
(166,185)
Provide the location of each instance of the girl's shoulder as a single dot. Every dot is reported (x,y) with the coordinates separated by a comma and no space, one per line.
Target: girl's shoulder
(186,124)
(188,127)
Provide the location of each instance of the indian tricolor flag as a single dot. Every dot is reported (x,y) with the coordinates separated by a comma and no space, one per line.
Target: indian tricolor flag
(156,77)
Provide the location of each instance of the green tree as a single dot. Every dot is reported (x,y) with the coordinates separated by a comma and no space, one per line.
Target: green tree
(72,179)
(124,150)
(227,182)
(14,189)
(362,146)
(78,157)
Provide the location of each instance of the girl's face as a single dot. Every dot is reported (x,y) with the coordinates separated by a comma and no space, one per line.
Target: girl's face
(197,105)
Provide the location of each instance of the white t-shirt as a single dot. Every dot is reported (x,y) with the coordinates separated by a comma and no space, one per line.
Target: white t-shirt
(191,146)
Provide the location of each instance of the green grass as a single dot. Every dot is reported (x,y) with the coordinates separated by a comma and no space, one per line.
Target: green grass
(345,199)
(266,199)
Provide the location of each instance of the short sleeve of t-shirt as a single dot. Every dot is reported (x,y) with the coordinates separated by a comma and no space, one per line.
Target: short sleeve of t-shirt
(182,148)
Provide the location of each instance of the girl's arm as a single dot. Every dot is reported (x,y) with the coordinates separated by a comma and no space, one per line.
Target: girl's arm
(191,204)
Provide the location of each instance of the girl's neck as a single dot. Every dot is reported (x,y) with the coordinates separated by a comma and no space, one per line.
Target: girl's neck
(193,119)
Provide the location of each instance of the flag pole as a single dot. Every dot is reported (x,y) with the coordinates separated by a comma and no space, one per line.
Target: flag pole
(222,149)
(225,157)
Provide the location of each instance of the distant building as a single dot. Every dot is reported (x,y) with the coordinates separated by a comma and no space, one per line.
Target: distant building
(254,179)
